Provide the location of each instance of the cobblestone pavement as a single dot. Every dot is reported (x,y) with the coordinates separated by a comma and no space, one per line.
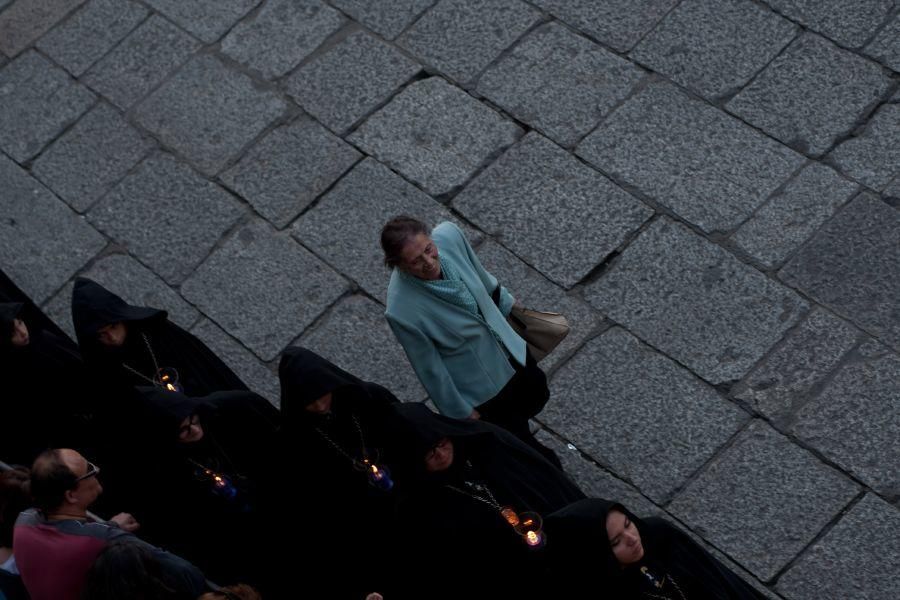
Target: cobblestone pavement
(709,189)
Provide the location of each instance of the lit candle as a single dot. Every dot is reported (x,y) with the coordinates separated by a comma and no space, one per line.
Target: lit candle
(534,538)
(380,478)
(510,515)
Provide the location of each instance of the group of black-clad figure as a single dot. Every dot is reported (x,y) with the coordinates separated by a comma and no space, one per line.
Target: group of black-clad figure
(341,492)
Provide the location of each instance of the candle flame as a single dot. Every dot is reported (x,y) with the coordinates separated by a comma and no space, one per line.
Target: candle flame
(532,538)
(170,387)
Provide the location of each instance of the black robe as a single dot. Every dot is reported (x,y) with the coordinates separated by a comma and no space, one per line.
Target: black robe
(354,520)
(582,559)
(461,546)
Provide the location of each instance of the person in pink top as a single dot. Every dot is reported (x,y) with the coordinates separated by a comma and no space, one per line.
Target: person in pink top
(56,542)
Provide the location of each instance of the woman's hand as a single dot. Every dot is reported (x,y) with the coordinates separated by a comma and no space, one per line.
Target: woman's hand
(475,415)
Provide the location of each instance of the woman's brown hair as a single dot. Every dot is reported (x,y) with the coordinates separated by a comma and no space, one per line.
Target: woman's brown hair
(396,233)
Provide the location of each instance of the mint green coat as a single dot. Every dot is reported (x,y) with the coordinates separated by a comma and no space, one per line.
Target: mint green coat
(453,352)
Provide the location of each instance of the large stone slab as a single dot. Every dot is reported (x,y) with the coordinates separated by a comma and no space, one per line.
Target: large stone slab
(277,37)
(349,81)
(37,101)
(886,45)
(891,193)
(812,94)
(42,242)
(763,500)
(345,226)
(559,215)
(282,174)
(851,266)
(435,134)
(91,32)
(787,378)
(209,112)
(263,288)
(534,291)
(461,37)
(793,214)
(696,302)
(135,283)
(714,46)
(141,62)
(856,559)
(848,23)
(626,405)
(166,215)
(616,23)
(206,19)
(855,420)
(347,336)
(90,158)
(258,376)
(559,82)
(705,165)
(24,21)
(387,17)
(873,156)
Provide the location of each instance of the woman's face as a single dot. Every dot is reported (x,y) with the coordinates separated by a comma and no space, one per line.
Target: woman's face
(320,406)
(112,335)
(624,538)
(19,333)
(190,430)
(440,457)
(419,258)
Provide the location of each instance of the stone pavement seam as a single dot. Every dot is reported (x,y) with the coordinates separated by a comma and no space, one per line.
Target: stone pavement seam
(33,43)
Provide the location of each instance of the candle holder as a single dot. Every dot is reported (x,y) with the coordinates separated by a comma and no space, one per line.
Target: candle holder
(167,379)
(378,475)
(530,528)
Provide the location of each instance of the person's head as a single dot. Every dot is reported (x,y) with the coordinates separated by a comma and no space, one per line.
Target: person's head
(408,246)
(239,591)
(113,335)
(190,429)
(63,481)
(126,570)
(624,537)
(320,406)
(20,335)
(14,498)
(440,456)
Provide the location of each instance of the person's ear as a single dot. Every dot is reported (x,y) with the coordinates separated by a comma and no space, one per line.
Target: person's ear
(72,496)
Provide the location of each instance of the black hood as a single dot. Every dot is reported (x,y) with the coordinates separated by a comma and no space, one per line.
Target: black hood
(9,311)
(579,537)
(305,377)
(416,428)
(166,410)
(93,307)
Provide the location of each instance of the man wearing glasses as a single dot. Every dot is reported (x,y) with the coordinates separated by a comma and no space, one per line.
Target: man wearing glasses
(56,542)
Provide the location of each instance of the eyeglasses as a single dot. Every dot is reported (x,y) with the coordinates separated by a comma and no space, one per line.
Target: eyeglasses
(92,471)
(186,429)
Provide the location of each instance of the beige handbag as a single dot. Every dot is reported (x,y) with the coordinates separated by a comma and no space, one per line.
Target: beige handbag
(543,331)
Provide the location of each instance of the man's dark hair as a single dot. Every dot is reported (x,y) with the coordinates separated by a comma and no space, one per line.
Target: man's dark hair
(396,233)
(51,478)
(14,498)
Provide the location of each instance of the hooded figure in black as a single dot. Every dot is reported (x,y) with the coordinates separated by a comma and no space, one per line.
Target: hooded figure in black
(47,401)
(203,479)
(335,426)
(476,487)
(630,558)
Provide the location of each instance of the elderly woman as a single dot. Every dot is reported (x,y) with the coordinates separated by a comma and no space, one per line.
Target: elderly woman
(449,314)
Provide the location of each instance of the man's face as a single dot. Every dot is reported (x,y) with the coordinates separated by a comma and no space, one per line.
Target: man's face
(320,406)
(20,333)
(88,488)
(112,335)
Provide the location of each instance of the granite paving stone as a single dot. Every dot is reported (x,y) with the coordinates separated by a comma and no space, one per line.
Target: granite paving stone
(534,291)
(848,23)
(388,17)
(873,156)
(141,62)
(275,39)
(135,283)
(461,37)
(276,288)
(616,23)
(37,101)
(289,168)
(695,302)
(892,193)
(557,214)
(167,215)
(812,94)
(868,572)
(559,82)
(345,225)
(851,266)
(348,336)
(855,421)
(705,165)
(42,242)
(885,47)
(714,46)
(209,112)
(206,19)
(763,500)
(435,134)
(787,378)
(24,21)
(348,82)
(3,3)
(792,215)
(91,32)
(258,376)
(90,158)
(616,384)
